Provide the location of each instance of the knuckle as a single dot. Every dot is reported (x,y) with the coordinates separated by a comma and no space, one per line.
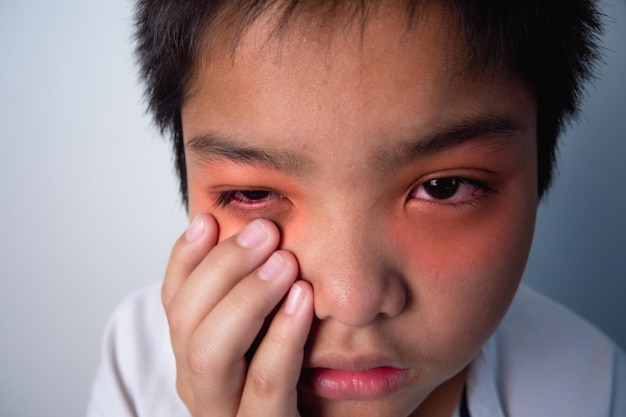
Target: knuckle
(185,391)
(200,360)
(175,318)
(240,303)
(260,383)
(279,341)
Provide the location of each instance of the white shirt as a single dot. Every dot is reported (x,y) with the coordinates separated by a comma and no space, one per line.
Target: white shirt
(541,361)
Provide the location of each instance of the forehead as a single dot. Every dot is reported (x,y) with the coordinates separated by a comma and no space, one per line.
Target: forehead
(364,80)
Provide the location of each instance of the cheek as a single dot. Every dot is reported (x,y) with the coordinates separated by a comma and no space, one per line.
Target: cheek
(462,275)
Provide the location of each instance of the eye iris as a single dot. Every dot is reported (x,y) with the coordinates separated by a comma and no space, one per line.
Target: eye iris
(442,188)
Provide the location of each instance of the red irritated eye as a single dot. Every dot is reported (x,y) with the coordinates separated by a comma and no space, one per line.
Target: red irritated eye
(452,189)
(247,198)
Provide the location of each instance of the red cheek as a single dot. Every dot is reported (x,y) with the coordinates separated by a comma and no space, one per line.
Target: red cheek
(451,245)
(200,202)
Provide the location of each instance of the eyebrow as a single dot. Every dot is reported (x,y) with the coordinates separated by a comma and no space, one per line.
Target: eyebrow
(491,128)
(210,146)
(488,128)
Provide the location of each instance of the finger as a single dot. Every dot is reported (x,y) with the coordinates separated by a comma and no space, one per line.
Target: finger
(272,379)
(188,251)
(225,265)
(217,348)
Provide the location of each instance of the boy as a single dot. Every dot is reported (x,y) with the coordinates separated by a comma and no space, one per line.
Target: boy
(362,179)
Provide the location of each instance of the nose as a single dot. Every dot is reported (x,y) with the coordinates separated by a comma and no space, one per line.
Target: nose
(354,281)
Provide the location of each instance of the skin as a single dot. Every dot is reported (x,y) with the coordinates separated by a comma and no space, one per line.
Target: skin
(378,268)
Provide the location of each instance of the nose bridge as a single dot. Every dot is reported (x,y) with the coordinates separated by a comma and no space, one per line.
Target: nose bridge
(353,281)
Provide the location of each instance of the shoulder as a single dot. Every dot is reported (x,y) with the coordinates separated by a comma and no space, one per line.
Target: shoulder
(137,330)
(137,371)
(539,327)
(139,318)
(545,360)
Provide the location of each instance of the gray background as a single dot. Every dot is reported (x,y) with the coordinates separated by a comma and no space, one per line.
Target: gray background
(89,205)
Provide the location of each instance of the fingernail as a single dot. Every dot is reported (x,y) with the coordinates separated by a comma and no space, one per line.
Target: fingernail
(294,300)
(272,267)
(252,235)
(195,229)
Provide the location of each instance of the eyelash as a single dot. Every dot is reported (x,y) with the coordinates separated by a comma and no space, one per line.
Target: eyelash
(258,199)
(240,198)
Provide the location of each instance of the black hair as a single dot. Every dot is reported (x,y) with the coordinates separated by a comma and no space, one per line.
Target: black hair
(552,45)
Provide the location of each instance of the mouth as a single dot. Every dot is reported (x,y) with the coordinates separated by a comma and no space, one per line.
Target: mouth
(363,384)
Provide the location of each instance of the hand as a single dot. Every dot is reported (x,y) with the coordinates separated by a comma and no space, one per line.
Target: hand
(217,297)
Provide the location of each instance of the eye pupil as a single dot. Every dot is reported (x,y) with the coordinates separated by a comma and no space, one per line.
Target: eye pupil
(442,188)
(254,195)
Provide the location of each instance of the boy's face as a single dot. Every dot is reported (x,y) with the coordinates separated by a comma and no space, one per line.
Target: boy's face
(405,187)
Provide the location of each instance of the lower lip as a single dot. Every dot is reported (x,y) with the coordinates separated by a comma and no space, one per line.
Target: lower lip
(368,384)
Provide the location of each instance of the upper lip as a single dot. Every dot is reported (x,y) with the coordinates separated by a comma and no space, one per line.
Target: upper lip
(350,361)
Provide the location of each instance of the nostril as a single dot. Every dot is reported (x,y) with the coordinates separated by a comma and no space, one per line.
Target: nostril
(357,302)
(398,300)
